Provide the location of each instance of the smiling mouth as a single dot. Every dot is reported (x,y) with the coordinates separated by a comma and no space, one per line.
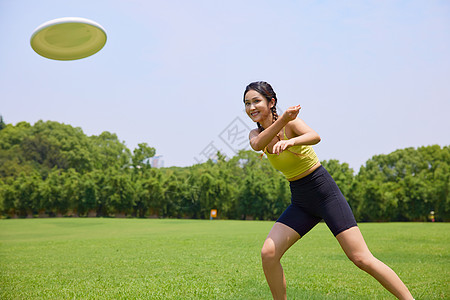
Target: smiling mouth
(255,113)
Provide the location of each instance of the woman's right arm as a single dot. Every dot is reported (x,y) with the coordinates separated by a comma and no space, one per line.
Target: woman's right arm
(258,141)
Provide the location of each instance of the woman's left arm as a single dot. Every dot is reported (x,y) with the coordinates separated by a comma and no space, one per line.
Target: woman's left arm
(303,135)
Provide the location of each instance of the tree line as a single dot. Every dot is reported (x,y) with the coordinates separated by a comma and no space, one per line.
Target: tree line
(54,169)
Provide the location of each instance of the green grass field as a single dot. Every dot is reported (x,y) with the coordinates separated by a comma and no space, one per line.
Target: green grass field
(90,258)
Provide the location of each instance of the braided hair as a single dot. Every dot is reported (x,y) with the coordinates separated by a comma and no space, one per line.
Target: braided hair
(266,90)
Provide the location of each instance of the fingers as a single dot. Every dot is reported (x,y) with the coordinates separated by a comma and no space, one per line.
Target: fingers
(295,108)
(276,148)
(280,147)
(292,112)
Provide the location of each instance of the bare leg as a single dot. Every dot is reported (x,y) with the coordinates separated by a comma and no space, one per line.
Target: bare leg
(279,240)
(354,246)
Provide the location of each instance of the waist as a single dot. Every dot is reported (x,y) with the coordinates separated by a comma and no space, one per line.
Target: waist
(306,173)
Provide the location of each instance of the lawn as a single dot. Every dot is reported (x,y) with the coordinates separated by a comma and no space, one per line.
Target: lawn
(103,258)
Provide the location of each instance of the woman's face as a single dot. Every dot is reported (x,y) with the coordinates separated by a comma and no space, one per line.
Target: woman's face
(257,107)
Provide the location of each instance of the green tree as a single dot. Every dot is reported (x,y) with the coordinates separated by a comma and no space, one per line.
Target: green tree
(88,195)
(252,195)
(102,179)
(11,135)
(171,205)
(341,173)
(150,193)
(11,161)
(109,152)
(264,192)
(43,153)
(51,194)
(73,145)
(403,185)
(8,196)
(71,190)
(25,189)
(141,155)
(2,123)
(122,194)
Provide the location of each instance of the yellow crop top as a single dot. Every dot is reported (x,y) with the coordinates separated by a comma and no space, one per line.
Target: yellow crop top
(294,160)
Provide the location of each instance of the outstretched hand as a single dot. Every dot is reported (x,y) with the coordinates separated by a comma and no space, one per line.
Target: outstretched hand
(291,113)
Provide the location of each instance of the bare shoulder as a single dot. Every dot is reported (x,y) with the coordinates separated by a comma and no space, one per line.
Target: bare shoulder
(296,128)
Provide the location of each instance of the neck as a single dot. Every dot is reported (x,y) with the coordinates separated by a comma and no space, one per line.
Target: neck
(266,122)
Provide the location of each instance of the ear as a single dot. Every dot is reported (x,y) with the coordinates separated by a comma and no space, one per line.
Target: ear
(272,103)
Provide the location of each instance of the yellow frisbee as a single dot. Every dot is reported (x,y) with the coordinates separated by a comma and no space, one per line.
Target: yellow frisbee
(68,38)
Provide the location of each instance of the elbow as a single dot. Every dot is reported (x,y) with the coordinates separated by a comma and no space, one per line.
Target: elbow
(256,147)
(317,139)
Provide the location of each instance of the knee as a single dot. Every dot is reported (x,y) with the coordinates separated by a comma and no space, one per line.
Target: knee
(269,253)
(362,260)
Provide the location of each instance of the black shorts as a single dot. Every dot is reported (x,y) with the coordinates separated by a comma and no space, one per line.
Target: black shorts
(316,197)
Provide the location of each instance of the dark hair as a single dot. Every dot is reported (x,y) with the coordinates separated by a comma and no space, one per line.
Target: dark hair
(266,90)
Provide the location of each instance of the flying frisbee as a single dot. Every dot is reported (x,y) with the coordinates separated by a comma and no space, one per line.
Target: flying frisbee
(68,38)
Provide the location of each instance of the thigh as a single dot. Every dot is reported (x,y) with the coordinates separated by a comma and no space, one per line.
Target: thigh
(353,244)
(338,216)
(298,219)
(334,208)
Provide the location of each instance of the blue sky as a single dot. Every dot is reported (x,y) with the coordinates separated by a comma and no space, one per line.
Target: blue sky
(371,76)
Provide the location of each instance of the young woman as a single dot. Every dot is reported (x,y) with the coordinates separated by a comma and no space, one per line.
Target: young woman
(287,141)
